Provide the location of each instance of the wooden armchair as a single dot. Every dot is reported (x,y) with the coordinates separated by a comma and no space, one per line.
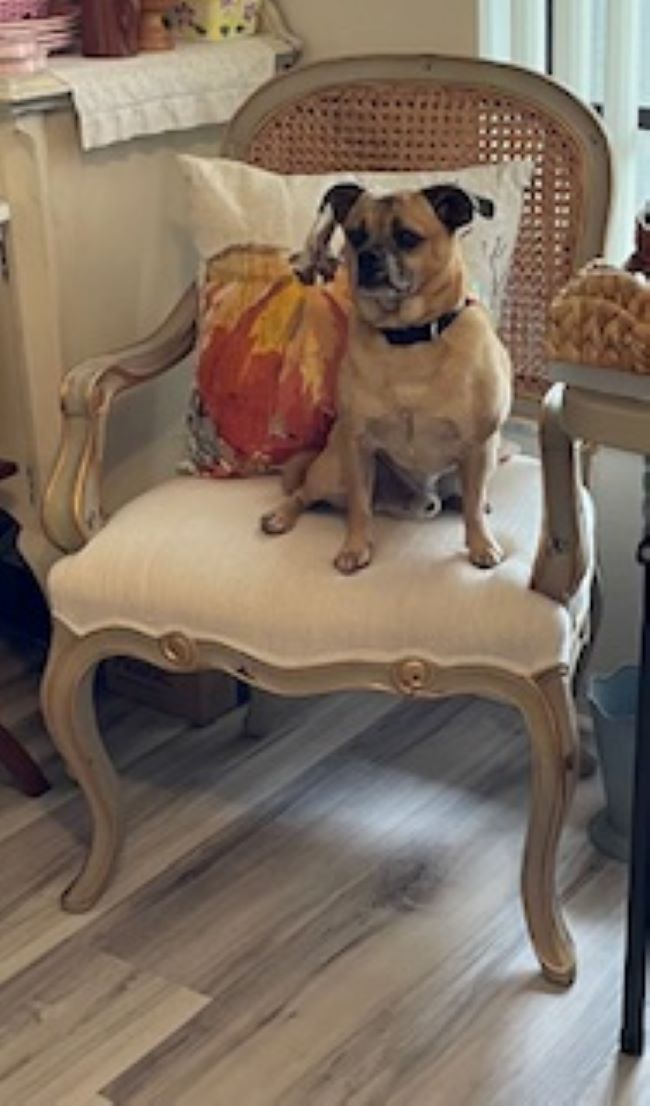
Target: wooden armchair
(412,625)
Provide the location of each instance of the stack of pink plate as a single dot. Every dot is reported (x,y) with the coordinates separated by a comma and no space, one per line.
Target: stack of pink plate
(25,43)
(20,53)
(22,9)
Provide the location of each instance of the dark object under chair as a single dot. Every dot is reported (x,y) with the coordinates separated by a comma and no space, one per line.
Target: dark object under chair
(24,771)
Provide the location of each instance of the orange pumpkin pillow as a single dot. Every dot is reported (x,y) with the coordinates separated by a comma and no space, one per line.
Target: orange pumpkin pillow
(269,351)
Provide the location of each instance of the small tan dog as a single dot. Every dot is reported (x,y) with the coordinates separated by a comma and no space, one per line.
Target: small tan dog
(425,384)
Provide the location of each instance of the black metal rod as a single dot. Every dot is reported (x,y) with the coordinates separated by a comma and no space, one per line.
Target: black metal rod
(638,922)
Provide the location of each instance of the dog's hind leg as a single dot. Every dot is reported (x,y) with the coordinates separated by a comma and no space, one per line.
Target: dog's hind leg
(308,479)
(284,516)
(295,470)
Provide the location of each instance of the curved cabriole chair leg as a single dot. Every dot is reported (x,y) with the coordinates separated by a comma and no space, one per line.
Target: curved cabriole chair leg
(69,709)
(555,761)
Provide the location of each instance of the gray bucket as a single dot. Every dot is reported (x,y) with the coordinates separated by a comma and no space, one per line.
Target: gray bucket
(613,703)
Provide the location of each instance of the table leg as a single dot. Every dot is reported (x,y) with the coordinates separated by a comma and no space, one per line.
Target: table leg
(638,928)
(20,766)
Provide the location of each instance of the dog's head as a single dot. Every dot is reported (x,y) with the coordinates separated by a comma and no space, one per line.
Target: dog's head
(399,245)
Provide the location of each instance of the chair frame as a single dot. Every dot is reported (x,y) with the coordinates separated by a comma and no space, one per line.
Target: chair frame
(73,513)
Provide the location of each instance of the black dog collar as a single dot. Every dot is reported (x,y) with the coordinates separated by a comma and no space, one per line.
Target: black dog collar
(426,332)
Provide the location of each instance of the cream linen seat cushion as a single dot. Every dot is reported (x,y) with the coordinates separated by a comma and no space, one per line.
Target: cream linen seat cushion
(189,556)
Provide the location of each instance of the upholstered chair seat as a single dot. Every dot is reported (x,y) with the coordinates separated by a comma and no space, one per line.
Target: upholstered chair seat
(170,562)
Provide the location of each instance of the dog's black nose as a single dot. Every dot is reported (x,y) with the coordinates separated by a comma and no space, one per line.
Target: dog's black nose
(371,268)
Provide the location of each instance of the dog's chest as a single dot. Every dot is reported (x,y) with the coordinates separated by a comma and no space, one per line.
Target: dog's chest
(405,408)
(414,439)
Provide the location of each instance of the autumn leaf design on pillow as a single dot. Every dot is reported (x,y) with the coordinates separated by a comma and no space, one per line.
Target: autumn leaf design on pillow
(269,352)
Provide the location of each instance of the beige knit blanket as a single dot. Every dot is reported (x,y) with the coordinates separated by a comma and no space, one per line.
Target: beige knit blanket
(602,318)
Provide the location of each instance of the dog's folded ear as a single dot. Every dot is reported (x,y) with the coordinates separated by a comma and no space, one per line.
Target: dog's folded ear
(456,208)
(340,199)
(315,260)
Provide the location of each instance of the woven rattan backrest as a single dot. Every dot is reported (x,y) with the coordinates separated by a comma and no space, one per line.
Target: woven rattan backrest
(406,113)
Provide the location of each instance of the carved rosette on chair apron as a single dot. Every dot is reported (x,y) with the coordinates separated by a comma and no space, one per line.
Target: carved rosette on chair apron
(110,28)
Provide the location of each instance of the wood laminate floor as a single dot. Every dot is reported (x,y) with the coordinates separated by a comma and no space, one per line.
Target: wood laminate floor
(327,917)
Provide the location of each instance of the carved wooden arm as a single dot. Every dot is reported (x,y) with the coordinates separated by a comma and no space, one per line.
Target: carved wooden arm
(563,555)
(72,503)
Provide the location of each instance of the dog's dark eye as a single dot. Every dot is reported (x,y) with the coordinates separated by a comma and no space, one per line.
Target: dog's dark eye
(406,239)
(357,237)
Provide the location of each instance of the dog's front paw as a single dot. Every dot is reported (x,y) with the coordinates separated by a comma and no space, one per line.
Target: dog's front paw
(353,557)
(485,552)
(281,519)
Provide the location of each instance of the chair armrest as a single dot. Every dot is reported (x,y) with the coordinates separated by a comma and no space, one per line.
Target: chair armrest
(71,510)
(563,554)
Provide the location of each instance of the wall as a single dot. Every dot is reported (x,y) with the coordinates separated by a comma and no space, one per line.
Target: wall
(123,254)
(335,27)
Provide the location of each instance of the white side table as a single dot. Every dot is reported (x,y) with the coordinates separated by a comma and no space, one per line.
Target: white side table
(612,408)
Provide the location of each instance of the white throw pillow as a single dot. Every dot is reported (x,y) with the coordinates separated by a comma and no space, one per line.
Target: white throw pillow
(234,204)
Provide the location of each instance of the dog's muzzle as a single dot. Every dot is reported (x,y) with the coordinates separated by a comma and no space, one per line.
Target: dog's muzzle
(371,269)
(380,271)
